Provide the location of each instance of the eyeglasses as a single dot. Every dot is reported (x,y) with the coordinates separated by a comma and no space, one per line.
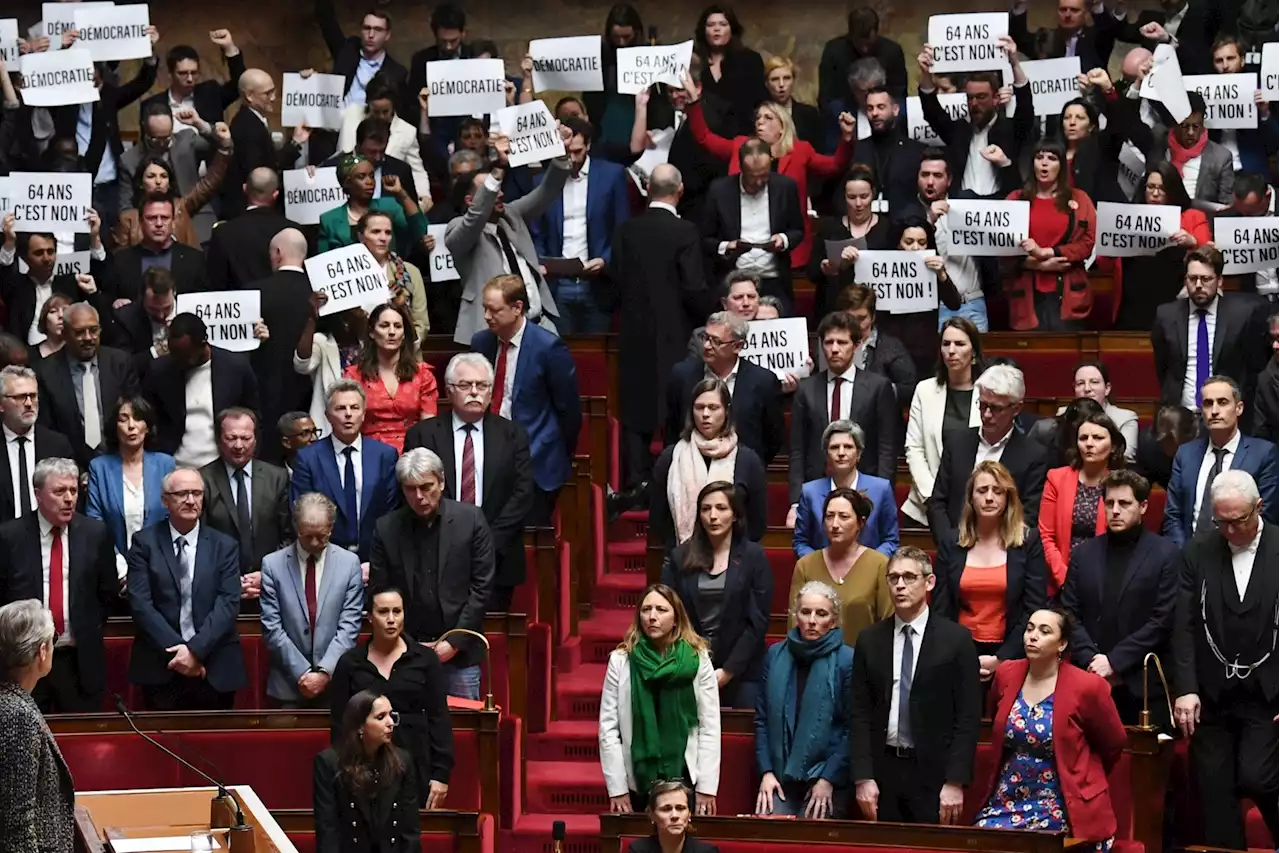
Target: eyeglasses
(186,494)
(305,433)
(467,387)
(1200,279)
(1238,521)
(23,398)
(717,342)
(994,408)
(905,578)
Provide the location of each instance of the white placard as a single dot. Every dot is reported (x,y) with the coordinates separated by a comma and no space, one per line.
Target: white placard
(780,345)
(641,67)
(968,42)
(51,201)
(1228,99)
(466,87)
(532,131)
(955,103)
(60,17)
(113,33)
(350,276)
(70,263)
(306,198)
(229,315)
(1132,230)
(58,79)
(9,42)
(1053,83)
(903,284)
(567,64)
(988,229)
(316,101)
(6,202)
(440,258)
(1248,243)
(1132,169)
(1164,83)
(1270,76)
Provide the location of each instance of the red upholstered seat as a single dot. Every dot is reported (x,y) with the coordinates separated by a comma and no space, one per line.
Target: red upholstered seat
(593,372)
(778,501)
(783,563)
(1133,373)
(1155,510)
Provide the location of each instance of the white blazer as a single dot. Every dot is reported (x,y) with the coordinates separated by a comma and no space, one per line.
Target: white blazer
(402,144)
(701,754)
(924,441)
(325,368)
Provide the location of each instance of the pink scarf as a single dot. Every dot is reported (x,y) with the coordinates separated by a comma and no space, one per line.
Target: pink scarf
(689,474)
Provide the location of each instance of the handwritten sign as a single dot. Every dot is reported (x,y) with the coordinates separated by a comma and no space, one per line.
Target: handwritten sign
(567,64)
(229,316)
(1053,83)
(988,228)
(641,67)
(57,18)
(316,101)
(51,201)
(440,258)
(955,103)
(780,345)
(1248,243)
(9,42)
(1165,84)
(1132,169)
(1270,72)
(58,78)
(1228,99)
(902,281)
(466,87)
(532,131)
(306,198)
(968,42)
(349,276)
(112,33)
(1132,230)
(69,263)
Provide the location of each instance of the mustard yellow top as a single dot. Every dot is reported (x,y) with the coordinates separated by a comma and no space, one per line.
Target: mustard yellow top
(864,592)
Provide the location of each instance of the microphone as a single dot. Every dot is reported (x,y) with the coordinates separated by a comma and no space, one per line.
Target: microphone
(557,836)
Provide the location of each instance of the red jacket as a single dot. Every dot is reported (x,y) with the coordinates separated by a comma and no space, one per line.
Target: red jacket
(1075,245)
(1057,504)
(1088,740)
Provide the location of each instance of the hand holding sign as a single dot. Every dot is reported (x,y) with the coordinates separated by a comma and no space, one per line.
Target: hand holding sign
(533,133)
(350,276)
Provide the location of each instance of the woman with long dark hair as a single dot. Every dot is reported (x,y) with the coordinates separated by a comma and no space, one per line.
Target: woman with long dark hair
(50,325)
(399,387)
(155,175)
(1058,434)
(376,231)
(1093,153)
(731,71)
(613,114)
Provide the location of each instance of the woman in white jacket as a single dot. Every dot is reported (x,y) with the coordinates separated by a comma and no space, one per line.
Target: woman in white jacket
(660,708)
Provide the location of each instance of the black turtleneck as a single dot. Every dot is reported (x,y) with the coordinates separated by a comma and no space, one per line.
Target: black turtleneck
(1120,548)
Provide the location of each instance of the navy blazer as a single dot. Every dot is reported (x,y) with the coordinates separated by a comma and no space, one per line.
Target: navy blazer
(106,493)
(608,206)
(315,469)
(544,400)
(757,405)
(156,602)
(748,476)
(880,530)
(1257,456)
(744,617)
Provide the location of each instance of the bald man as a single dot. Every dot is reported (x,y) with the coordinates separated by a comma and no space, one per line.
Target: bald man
(239,253)
(251,137)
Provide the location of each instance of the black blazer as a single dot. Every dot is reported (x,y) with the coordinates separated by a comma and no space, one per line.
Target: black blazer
(1140,616)
(18,293)
(896,159)
(697,167)
(270,513)
(93,586)
(744,617)
(240,248)
(1266,406)
(890,359)
(49,445)
(1023,456)
(757,405)
(130,329)
(106,121)
(1093,44)
(741,84)
(826,288)
(874,407)
(809,126)
(464,577)
(254,147)
(1199,27)
(347,822)
(748,476)
(1241,345)
(1026,589)
(58,409)
(124,280)
(210,97)
(234,384)
(946,703)
(722,221)
(506,484)
(1011,134)
(286,307)
(650,844)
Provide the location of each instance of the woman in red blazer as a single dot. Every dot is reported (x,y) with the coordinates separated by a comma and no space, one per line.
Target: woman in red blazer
(1061,738)
(1071,504)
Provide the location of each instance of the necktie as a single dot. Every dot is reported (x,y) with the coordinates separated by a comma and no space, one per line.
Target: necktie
(186,625)
(1204,520)
(500,378)
(55,581)
(531,284)
(24,478)
(835,400)
(468,466)
(92,410)
(309,586)
(904,689)
(509,252)
(1202,352)
(349,506)
(244,522)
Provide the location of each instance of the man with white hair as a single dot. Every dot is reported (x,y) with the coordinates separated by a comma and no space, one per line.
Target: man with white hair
(438,552)
(1000,391)
(1225,662)
(486,463)
(26,442)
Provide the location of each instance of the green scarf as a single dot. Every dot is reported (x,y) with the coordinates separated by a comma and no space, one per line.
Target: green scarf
(664,710)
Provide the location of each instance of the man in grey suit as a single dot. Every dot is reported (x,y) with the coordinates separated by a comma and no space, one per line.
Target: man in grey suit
(312,606)
(491,238)
(182,151)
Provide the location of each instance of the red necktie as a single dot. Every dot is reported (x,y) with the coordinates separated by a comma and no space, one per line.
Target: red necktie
(310,588)
(468,466)
(835,400)
(500,378)
(56,603)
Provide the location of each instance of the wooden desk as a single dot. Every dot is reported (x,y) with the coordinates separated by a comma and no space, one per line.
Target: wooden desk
(164,812)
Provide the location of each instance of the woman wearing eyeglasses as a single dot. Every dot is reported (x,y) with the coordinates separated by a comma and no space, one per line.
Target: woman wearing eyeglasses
(412,679)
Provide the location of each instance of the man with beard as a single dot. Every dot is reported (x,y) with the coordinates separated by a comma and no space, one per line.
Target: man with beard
(894,156)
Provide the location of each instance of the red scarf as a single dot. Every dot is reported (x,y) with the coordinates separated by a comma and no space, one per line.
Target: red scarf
(1179,155)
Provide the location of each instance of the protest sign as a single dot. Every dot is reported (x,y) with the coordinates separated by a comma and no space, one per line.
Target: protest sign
(567,64)
(1053,83)
(532,131)
(968,42)
(440,258)
(1132,169)
(9,42)
(112,33)
(1165,84)
(58,79)
(903,284)
(780,345)
(51,201)
(349,276)
(641,169)
(1228,99)
(316,101)
(306,198)
(641,67)
(70,263)
(1132,230)
(955,103)
(6,202)
(1248,243)
(466,87)
(1271,71)
(229,315)
(988,228)
(60,17)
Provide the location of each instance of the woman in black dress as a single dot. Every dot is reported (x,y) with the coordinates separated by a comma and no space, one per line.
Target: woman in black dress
(731,71)
(854,220)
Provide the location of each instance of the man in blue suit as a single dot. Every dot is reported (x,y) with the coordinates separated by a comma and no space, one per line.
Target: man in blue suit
(184,591)
(579,225)
(358,474)
(1187,512)
(536,386)
(844,442)
(312,606)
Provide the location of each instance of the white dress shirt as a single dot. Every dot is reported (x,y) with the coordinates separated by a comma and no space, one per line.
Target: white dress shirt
(477,449)
(991,452)
(509,382)
(187,103)
(731,380)
(11,447)
(917,639)
(303,556)
(574,197)
(1174,21)
(961,269)
(135,511)
(755,229)
(1191,175)
(1206,464)
(1193,324)
(43,292)
(525,273)
(980,175)
(1242,562)
(662,205)
(46,552)
(199,446)
(846,390)
(357,462)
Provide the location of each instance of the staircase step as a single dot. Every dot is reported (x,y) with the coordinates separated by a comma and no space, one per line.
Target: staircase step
(578,693)
(626,557)
(532,833)
(629,525)
(618,591)
(565,740)
(600,635)
(575,787)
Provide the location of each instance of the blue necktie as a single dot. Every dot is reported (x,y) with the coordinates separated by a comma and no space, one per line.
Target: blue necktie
(1202,352)
(904,689)
(349,494)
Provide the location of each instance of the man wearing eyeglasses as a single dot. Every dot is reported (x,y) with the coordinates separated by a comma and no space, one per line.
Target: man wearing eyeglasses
(297,430)
(26,442)
(486,463)
(208,99)
(1225,662)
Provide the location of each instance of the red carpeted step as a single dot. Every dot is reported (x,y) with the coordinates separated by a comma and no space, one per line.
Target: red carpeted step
(617,591)
(557,787)
(626,557)
(565,740)
(600,634)
(630,525)
(533,833)
(578,692)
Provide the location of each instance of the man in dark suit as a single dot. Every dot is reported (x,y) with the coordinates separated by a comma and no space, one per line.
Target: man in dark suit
(753,220)
(81,383)
(26,440)
(537,388)
(1073,36)
(296,430)
(1000,391)
(141,328)
(861,41)
(372,136)
(1121,590)
(889,150)
(1224,663)
(449,26)
(25,295)
(756,392)
(1191,24)
(486,463)
(209,98)
(184,591)
(239,251)
(66,561)
(916,705)
(439,553)
(842,392)
(158,248)
(251,137)
(358,58)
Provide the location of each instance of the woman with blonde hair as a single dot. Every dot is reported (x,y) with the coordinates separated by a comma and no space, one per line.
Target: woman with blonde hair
(660,707)
(780,79)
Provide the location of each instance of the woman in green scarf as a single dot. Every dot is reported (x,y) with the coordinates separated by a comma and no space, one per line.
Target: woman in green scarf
(660,708)
(356,175)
